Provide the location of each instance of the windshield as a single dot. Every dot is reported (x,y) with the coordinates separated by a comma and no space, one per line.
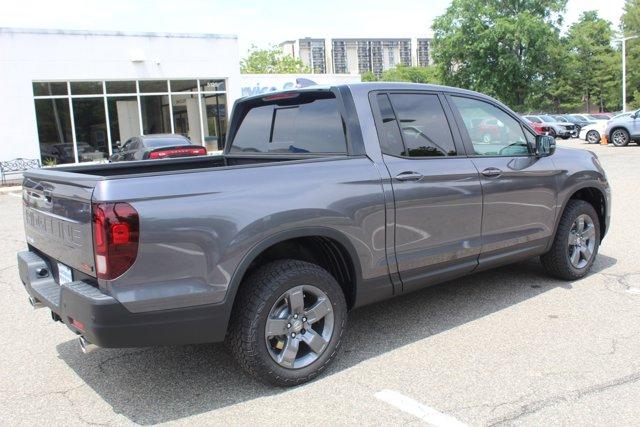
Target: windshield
(533,119)
(561,119)
(548,119)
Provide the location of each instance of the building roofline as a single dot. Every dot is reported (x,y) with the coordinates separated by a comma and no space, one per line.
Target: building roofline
(10,30)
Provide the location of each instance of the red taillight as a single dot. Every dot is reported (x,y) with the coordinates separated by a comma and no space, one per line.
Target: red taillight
(77,325)
(173,152)
(115,238)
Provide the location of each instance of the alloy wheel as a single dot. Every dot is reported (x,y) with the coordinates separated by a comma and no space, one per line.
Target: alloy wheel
(619,137)
(593,137)
(299,327)
(582,241)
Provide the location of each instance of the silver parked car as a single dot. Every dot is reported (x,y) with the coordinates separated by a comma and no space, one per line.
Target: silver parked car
(564,130)
(624,128)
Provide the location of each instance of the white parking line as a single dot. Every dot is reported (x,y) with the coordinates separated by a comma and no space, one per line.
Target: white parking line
(417,409)
(15,195)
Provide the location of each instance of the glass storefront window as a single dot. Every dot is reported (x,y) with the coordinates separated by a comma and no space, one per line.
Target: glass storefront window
(186,119)
(214,113)
(121,87)
(184,86)
(155,114)
(49,88)
(212,85)
(124,120)
(91,129)
(86,88)
(54,131)
(151,86)
(133,108)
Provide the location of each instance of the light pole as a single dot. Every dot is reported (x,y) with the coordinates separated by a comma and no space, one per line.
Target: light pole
(624,70)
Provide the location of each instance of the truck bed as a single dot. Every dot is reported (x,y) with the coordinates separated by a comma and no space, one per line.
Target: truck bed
(126,169)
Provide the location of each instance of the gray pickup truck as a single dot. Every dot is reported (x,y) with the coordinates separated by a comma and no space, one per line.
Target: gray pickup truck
(325,199)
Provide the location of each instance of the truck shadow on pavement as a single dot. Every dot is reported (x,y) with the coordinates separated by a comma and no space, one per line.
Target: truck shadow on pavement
(154,385)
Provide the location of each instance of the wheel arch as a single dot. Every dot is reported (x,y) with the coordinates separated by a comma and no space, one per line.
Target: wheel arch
(337,255)
(615,128)
(592,194)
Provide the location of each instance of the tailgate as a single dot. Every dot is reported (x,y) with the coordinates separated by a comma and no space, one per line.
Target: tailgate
(57,220)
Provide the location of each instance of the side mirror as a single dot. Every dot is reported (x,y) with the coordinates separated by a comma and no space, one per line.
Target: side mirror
(545,145)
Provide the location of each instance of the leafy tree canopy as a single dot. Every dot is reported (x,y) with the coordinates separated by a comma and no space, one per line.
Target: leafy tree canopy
(500,47)
(270,61)
(402,73)
(630,26)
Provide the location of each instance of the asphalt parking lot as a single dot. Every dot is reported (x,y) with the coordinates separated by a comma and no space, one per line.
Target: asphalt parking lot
(503,347)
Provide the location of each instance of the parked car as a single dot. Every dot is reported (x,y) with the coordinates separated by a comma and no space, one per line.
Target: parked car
(599,116)
(593,133)
(578,120)
(563,130)
(157,146)
(624,128)
(322,201)
(538,127)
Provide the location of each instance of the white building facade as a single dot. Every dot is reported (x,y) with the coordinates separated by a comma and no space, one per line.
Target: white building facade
(71,96)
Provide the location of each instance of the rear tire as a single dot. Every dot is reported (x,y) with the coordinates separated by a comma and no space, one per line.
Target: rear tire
(265,338)
(593,137)
(574,247)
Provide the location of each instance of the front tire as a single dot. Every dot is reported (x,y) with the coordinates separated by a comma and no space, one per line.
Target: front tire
(620,137)
(575,244)
(287,323)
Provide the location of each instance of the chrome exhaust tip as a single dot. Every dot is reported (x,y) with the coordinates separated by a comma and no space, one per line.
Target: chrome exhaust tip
(35,304)
(85,346)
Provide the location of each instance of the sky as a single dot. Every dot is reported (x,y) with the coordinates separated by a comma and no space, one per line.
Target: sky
(254,22)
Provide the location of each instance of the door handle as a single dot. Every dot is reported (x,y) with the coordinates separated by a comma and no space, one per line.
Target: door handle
(409,176)
(492,172)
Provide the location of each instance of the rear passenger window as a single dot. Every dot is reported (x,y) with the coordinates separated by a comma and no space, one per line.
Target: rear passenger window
(390,139)
(306,123)
(424,126)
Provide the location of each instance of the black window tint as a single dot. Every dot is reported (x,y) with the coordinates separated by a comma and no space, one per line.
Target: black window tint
(390,139)
(492,131)
(424,126)
(311,125)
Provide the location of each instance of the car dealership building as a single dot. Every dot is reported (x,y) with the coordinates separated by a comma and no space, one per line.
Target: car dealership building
(71,96)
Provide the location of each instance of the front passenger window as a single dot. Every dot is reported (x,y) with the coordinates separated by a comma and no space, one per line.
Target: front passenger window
(492,131)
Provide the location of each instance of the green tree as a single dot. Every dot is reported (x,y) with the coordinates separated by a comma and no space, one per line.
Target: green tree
(270,61)
(500,47)
(403,73)
(630,26)
(589,41)
(368,76)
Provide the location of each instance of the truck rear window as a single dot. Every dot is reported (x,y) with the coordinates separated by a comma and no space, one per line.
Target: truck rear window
(306,123)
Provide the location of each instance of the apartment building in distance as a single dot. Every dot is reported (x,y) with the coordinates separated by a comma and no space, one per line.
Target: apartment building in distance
(359,55)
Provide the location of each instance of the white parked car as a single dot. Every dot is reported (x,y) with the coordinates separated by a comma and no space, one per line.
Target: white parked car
(593,132)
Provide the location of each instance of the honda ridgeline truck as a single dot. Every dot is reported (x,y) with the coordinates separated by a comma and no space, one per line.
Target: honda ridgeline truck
(325,199)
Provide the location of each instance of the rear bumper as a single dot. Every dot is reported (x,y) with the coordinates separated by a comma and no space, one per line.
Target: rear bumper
(105,322)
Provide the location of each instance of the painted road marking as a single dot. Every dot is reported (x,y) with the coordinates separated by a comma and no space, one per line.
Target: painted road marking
(417,409)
